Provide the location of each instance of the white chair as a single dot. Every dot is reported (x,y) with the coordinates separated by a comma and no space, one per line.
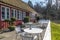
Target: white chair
(44,25)
(37,25)
(18,31)
(27,26)
(25,37)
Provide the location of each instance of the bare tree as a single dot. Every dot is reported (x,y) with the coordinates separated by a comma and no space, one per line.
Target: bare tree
(30,4)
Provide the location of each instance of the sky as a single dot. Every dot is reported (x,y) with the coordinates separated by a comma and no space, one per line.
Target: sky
(34,1)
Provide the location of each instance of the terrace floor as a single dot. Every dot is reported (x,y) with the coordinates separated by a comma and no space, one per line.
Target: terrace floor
(8,36)
(12,35)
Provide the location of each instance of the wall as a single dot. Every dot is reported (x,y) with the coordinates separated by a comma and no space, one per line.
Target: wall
(5,24)
(48,33)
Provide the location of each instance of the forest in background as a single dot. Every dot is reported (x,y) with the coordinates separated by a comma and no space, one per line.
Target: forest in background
(49,11)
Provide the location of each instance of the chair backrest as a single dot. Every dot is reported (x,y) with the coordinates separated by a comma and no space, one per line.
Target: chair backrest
(28,37)
(34,26)
(24,37)
(45,24)
(37,25)
(17,29)
(27,26)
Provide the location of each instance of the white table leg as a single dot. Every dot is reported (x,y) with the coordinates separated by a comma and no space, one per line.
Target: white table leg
(41,36)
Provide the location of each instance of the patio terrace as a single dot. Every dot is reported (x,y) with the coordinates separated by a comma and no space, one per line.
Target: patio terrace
(46,34)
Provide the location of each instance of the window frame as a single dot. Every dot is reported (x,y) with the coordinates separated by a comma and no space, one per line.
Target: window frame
(1,13)
(13,13)
(5,13)
(20,15)
(24,15)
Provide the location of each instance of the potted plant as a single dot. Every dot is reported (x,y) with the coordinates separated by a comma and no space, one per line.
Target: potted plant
(11,28)
(11,23)
(26,19)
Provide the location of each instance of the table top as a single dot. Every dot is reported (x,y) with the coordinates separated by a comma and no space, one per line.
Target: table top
(43,21)
(29,23)
(33,30)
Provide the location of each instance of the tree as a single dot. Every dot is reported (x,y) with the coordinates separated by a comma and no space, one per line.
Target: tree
(38,8)
(49,11)
(30,4)
(56,4)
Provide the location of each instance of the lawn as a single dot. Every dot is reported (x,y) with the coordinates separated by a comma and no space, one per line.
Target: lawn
(55,31)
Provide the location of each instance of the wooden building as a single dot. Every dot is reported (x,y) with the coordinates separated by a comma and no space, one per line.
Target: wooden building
(13,8)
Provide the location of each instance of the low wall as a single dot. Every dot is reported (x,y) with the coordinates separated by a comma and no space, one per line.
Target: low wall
(6,24)
(47,35)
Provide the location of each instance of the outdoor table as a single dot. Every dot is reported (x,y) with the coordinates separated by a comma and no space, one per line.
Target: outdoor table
(43,21)
(29,23)
(33,31)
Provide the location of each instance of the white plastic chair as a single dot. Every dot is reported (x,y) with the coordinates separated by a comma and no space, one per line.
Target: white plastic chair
(37,25)
(25,37)
(18,31)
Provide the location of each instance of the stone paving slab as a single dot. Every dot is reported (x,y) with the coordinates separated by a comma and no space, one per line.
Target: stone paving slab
(12,36)
(8,35)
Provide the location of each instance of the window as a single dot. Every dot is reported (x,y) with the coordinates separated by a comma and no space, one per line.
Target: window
(31,14)
(7,13)
(12,15)
(24,15)
(20,15)
(17,14)
(3,12)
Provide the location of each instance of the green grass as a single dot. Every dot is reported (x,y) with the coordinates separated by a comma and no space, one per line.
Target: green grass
(55,30)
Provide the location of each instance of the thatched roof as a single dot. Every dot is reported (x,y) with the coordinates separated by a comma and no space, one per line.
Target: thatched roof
(20,4)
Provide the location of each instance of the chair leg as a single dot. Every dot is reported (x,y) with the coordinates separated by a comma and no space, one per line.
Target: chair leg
(16,36)
(41,36)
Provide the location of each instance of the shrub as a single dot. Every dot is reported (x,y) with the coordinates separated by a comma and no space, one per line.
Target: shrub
(11,28)
(37,18)
(6,20)
(13,19)
(26,19)
(22,26)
